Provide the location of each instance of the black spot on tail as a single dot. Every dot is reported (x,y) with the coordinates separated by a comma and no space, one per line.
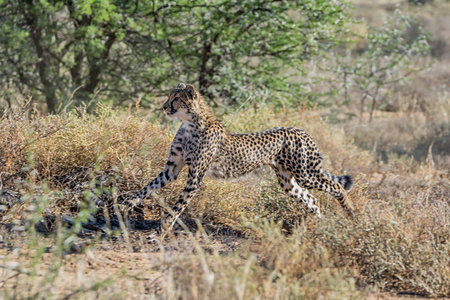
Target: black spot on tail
(346,181)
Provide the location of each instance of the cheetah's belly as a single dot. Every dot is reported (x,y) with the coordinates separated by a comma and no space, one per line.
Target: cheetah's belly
(233,166)
(244,153)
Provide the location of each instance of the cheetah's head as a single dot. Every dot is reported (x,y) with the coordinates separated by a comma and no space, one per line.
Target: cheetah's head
(182,102)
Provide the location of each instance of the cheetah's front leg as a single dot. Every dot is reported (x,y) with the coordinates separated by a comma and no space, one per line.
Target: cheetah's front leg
(192,187)
(197,170)
(174,164)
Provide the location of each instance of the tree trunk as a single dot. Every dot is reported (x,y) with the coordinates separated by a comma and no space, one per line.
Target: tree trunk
(202,81)
(32,19)
(96,67)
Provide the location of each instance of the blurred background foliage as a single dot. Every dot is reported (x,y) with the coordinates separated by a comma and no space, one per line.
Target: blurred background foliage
(360,61)
(109,50)
(68,53)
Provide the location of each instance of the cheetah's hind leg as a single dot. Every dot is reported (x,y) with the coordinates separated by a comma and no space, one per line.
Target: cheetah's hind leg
(335,186)
(291,187)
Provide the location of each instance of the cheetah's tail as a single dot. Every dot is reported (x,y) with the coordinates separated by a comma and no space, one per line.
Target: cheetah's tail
(346,181)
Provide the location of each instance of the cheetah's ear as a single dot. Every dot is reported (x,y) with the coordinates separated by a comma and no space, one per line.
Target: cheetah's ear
(190,89)
(181,86)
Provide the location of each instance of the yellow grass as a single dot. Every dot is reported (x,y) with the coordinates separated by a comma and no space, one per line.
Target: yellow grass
(233,246)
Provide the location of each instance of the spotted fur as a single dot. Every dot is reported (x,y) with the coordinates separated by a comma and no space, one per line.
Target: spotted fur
(204,145)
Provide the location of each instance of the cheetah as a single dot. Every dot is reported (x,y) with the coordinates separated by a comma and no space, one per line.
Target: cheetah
(208,148)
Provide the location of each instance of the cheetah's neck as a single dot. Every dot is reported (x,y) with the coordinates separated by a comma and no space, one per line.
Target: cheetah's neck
(202,116)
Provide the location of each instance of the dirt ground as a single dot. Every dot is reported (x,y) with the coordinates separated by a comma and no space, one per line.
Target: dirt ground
(136,272)
(134,268)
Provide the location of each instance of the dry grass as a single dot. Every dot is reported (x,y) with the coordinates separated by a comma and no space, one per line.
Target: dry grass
(398,242)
